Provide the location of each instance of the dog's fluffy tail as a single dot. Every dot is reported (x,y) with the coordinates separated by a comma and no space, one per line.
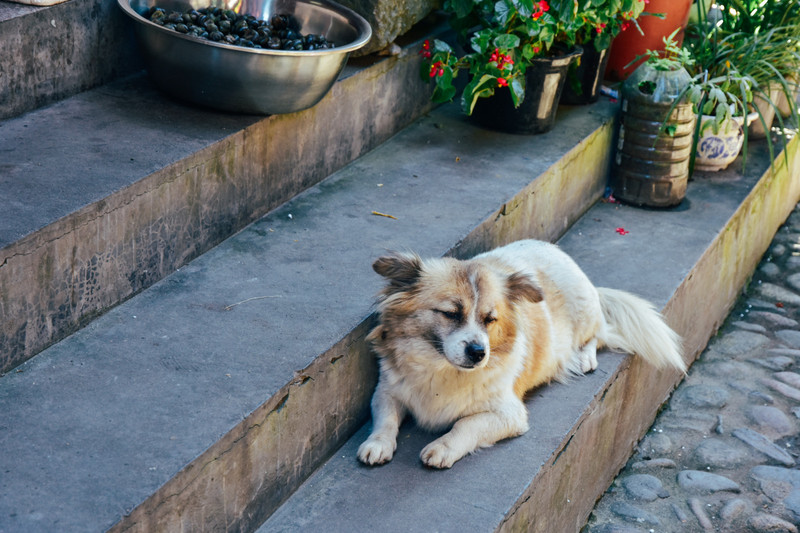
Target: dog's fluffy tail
(633,325)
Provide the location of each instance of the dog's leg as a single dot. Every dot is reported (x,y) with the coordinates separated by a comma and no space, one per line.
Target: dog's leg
(588,356)
(387,415)
(476,431)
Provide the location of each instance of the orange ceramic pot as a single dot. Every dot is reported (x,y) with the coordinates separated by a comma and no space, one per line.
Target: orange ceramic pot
(630,44)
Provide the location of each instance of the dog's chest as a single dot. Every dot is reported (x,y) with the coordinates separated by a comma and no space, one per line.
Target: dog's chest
(437,400)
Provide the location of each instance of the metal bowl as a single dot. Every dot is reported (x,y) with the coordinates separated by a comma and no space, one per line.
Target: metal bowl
(248,80)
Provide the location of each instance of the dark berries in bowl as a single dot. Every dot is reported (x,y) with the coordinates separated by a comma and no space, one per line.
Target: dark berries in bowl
(280,32)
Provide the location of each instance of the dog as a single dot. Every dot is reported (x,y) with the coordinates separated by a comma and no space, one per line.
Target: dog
(460,342)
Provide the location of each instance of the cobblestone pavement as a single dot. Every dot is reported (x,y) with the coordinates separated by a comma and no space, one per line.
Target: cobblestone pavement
(724,453)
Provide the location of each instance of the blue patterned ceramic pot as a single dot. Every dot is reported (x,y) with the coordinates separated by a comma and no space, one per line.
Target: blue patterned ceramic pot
(717,150)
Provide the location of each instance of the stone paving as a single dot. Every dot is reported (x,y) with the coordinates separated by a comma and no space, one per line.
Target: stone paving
(724,453)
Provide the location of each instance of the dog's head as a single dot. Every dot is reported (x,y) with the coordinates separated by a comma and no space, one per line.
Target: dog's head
(461,311)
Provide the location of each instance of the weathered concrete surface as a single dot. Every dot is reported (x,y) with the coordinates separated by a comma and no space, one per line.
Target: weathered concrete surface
(691,261)
(389,19)
(201,402)
(105,193)
(50,53)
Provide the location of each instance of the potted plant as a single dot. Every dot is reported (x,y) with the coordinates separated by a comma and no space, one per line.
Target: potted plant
(760,39)
(599,22)
(516,51)
(736,74)
(651,164)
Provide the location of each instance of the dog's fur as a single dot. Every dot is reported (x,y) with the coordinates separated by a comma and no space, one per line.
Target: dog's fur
(461,342)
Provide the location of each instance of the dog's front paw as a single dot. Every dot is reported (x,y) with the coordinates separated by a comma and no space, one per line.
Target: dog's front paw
(376,451)
(437,454)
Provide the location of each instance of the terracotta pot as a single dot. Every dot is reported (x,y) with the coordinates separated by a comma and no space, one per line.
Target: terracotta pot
(783,101)
(715,151)
(767,110)
(630,44)
(544,81)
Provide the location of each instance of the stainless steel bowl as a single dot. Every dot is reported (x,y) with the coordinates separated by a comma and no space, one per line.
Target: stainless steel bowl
(247,80)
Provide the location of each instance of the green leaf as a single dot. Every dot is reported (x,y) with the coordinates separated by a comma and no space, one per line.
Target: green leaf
(524,7)
(723,112)
(527,51)
(517,87)
(461,8)
(502,11)
(444,90)
(476,88)
(441,46)
(481,41)
(546,35)
(443,94)
(602,41)
(506,41)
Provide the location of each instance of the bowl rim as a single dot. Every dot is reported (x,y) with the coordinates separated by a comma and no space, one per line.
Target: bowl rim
(357,21)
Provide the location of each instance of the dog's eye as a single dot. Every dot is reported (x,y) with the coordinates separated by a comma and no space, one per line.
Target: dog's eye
(455,316)
(489,319)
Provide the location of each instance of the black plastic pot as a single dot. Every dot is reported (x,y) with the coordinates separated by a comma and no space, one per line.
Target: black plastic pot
(544,81)
(584,77)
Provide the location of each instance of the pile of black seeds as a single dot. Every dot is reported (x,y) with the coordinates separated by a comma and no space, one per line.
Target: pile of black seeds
(280,32)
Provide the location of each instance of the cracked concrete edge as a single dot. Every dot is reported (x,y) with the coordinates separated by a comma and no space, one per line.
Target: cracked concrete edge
(54,281)
(624,409)
(252,470)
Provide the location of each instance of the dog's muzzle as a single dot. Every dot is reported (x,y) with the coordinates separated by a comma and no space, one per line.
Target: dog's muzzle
(475,352)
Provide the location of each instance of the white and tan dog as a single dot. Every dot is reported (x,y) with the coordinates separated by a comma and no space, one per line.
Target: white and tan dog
(461,342)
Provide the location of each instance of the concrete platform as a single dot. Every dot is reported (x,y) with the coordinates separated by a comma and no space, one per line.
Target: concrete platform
(202,402)
(692,261)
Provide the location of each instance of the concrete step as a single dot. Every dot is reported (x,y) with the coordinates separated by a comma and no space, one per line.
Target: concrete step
(202,402)
(52,53)
(691,261)
(108,191)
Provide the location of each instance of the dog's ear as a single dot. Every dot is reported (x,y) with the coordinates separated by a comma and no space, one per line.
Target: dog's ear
(521,287)
(402,270)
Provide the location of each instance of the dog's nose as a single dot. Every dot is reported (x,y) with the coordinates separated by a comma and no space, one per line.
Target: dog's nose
(475,352)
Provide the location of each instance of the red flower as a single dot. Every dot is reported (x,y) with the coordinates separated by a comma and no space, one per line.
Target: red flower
(502,61)
(502,82)
(541,7)
(437,69)
(622,231)
(625,25)
(426,49)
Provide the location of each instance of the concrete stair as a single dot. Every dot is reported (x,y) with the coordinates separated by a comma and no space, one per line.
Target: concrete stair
(184,296)
(109,190)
